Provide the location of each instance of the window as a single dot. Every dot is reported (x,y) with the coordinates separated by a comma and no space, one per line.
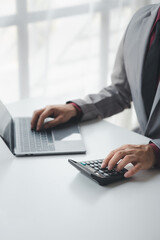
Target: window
(51,48)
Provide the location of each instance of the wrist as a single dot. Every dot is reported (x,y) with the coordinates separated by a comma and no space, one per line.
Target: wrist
(77,109)
(72,110)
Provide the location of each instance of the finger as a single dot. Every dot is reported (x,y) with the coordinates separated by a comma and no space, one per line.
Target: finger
(117,156)
(127,159)
(46,113)
(107,159)
(133,170)
(53,123)
(35,117)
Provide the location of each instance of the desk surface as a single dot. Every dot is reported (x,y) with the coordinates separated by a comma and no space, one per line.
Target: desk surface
(45,198)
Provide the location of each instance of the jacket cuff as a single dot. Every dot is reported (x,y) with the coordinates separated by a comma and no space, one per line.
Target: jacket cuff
(157,154)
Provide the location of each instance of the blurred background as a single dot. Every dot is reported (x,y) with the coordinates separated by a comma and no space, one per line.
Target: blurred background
(63,49)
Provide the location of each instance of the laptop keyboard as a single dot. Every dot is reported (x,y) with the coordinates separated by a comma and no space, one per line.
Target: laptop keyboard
(32,141)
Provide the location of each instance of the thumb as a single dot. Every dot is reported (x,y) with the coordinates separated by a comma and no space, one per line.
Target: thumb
(53,123)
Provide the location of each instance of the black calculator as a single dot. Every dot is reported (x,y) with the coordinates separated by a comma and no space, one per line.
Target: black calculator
(93,170)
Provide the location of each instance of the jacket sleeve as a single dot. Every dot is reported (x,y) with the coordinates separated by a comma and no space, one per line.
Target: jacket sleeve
(112,99)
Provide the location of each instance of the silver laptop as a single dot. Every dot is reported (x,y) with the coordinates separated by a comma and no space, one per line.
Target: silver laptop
(21,140)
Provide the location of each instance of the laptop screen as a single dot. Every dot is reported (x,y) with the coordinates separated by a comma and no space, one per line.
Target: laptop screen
(6,126)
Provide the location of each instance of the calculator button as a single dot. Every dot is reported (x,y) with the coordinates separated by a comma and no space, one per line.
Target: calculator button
(83,163)
(97,173)
(106,174)
(96,161)
(92,162)
(96,168)
(100,161)
(96,165)
(88,162)
(91,165)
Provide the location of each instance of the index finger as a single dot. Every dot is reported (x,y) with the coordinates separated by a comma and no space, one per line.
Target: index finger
(35,118)
(46,113)
(112,153)
(107,159)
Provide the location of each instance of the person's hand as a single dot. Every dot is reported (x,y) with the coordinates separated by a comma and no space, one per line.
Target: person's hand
(59,113)
(141,156)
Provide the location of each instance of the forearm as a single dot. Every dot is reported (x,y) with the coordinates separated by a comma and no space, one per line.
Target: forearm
(107,102)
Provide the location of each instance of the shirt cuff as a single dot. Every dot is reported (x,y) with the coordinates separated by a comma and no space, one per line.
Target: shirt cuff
(157,154)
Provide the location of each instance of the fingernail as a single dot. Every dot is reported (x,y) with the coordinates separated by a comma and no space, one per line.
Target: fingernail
(102,166)
(109,168)
(126,175)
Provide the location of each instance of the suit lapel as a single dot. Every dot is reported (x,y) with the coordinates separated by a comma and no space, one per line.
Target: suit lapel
(156,99)
(145,29)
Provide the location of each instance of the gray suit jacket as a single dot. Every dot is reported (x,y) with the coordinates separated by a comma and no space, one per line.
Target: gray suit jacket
(127,79)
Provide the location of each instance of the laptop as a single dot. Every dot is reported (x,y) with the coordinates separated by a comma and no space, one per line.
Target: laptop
(22,141)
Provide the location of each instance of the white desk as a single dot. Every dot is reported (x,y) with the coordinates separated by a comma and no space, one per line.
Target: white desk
(45,198)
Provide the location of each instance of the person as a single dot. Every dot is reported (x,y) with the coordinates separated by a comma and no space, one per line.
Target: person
(135,78)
